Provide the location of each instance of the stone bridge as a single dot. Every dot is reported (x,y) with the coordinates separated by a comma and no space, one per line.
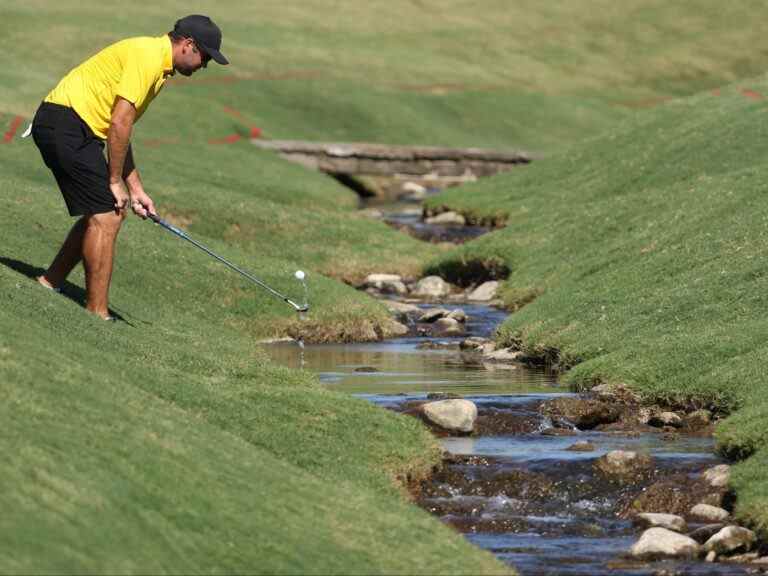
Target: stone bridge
(443,166)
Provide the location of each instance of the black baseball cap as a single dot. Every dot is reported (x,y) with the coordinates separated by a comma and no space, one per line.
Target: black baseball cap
(204,32)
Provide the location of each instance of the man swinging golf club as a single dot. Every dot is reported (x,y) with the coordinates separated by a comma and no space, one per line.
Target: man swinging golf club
(96,103)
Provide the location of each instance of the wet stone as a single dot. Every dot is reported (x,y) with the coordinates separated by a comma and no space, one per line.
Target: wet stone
(432,315)
(451,415)
(624,465)
(657,543)
(709,513)
(582,446)
(718,476)
(447,327)
(704,533)
(443,396)
(664,419)
(495,422)
(584,413)
(559,432)
(731,539)
(668,521)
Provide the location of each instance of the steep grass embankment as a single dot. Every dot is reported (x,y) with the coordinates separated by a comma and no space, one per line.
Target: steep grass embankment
(167,442)
(643,252)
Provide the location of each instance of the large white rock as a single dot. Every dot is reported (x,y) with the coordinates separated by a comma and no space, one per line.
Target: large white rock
(662,543)
(668,521)
(453,415)
(432,287)
(730,539)
(486,291)
(709,513)
(718,476)
(386,283)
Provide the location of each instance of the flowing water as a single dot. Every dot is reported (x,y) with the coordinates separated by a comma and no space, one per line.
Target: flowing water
(572,526)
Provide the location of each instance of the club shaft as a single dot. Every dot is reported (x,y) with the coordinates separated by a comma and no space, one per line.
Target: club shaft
(182,234)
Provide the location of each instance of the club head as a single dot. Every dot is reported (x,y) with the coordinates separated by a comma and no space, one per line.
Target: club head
(300,308)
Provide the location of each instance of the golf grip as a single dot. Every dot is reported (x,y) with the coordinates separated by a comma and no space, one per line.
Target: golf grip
(171,228)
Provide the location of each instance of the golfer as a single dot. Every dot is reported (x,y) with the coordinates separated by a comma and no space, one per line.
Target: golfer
(96,103)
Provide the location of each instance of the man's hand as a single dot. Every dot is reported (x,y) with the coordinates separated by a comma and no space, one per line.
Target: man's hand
(142,205)
(120,192)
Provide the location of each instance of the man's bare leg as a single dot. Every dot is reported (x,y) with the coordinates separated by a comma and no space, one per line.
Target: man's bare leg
(98,255)
(70,254)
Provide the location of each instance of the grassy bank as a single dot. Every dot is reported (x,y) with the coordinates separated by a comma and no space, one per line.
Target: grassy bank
(534,75)
(167,442)
(643,255)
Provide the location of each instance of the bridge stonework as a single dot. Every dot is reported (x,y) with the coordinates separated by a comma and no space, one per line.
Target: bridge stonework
(446,165)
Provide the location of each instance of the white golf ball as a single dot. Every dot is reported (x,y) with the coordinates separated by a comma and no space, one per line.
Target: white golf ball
(299,275)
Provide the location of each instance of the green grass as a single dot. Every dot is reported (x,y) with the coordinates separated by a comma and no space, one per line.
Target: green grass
(646,249)
(168,443)
(533,75)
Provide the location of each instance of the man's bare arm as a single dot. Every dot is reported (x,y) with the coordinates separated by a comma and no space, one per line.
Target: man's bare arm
(119,148)
(118,140)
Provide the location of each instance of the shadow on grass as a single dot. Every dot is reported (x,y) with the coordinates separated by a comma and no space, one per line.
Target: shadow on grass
(68,290)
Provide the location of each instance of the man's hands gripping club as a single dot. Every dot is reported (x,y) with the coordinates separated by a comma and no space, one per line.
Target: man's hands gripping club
(122,173)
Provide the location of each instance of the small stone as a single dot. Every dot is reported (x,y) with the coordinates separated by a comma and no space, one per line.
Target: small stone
(386,283)
(668,521)
(414,189)
(730,539)
(433,314)
(393,329)
(503,355)
(400,309)
(708,513)
(704,533)
(658,543)
(666,419)
(711,556)
(582,446)
(432,287)
(447,327)
(719,476)
(698,419)
(447,219)
(474,343)
(746,558)
(452,415)
(458,314)
(623,464)
(486,291)
(559,432)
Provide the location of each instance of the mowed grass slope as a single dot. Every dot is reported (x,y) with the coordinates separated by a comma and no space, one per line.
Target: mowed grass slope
(167,443)
(645,252)
(528,74)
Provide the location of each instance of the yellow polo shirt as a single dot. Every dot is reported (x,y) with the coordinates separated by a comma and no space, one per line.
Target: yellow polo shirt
(134,69)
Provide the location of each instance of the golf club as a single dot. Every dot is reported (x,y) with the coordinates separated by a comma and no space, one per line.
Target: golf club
(182,234)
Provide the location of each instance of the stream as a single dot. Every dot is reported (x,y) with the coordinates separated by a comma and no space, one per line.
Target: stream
(518,492)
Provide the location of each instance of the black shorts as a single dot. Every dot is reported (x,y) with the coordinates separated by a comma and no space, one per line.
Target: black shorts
(76,157)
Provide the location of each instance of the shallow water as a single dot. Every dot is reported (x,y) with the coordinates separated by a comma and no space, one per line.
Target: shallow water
(574,531)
